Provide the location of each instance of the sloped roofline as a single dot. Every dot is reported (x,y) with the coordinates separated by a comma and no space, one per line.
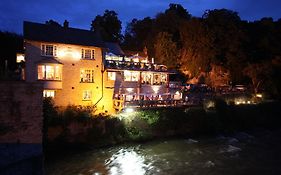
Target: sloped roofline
(66,35)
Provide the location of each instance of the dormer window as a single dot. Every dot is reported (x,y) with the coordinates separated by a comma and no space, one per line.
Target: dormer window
(88,54)
(49,50)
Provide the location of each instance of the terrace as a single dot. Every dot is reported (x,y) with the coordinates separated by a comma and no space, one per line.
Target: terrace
(147,101)
(138,66)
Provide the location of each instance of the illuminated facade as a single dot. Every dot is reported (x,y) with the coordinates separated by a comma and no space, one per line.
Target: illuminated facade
(138,81)
(78,69)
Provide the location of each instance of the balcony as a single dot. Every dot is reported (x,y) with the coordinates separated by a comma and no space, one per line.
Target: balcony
(137,66)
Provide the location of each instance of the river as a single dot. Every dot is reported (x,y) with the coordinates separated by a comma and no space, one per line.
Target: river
(254,152)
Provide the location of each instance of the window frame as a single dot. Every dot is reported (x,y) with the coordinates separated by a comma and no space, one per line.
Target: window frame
(91,72)
(89,92)
(49,93)
(134,76)
(56,72)
(91,54)
(44,47)
(111,76)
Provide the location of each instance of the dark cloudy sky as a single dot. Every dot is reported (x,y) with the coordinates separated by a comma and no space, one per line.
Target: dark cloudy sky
(80,13)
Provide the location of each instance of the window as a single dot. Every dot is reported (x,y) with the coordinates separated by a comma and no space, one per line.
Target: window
(163,78)
(156,79)
(49,93)
(146,78)
(87,95)
(131,75)
(49,72)
(88,54)
(48,50)
(20,58)
(111,75)
(86,75)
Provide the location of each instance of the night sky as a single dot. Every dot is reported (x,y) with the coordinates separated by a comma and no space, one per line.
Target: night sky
(81,13)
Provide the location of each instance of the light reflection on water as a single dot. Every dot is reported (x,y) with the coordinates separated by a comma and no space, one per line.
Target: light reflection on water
(219,155)
(127,162)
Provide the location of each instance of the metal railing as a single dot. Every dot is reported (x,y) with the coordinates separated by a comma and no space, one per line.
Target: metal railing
(121,104)
(134,65)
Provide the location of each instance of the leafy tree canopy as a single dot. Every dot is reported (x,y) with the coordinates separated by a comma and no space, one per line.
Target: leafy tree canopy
(108,25)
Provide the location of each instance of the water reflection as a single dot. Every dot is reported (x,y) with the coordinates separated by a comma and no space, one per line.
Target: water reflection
(217,155)
(126,162)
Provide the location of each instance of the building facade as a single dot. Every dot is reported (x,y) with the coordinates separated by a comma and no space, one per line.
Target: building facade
(77,68)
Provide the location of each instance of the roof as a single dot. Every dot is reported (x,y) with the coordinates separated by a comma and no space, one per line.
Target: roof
(114,48)
(50,33)
(48,60)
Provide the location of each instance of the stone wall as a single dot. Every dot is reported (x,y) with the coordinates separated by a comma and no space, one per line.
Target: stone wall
(21,122)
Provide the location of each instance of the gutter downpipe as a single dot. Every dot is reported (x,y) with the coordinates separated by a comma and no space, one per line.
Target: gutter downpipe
(101,90)
(102,71)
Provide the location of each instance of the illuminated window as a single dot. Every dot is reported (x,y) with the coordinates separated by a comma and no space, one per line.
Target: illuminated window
(111,75)
(49,93)
(88,54)
(48,50)
(20,58)
(131,76)
(163,78)
(87,95)
(156,79)
(146,78)
(87,75)
(49,72)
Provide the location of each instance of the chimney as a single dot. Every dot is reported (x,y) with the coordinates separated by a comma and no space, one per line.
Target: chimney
(65,24)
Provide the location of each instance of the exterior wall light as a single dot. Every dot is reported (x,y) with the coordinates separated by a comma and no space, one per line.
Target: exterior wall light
(129,110)
(130,90)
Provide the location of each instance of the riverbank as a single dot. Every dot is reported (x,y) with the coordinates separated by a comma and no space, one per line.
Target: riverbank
(77,128)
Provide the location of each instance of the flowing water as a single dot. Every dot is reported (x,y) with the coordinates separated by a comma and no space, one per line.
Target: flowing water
(256,153)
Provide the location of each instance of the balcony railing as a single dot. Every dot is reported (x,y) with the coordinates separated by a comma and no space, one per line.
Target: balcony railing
(121,104)
(110,64)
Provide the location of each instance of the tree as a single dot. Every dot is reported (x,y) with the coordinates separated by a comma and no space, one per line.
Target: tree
(108,25)
(170,21)
(196,52)
(166,50)
(259,74)
(136,34)
(10,45)
(225,27)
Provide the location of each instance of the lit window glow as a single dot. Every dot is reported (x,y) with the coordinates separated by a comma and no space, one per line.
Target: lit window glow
(111,75)
(20,58)
(49,72)
(131,75)
(49,93)
(86,75)
(87,95)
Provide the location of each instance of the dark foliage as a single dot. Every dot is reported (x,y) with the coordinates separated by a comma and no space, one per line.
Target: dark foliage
(10,45)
